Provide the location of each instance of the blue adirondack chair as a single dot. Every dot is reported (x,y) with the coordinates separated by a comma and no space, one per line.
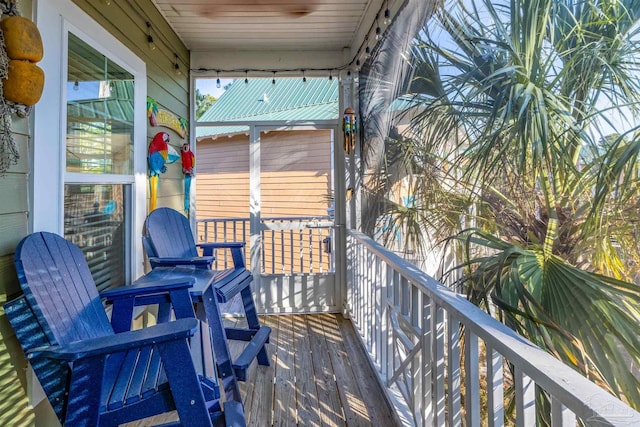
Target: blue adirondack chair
(169,242)
(91,375)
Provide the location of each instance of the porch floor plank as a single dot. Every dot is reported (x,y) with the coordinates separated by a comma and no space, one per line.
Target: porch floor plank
(319,375)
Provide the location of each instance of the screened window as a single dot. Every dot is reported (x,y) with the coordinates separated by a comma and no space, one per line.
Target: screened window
(99,161)
(100,106)
(95,220)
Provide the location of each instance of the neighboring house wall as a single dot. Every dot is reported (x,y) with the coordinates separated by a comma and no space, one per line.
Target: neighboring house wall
(171,92)
(295,175)
(295,180)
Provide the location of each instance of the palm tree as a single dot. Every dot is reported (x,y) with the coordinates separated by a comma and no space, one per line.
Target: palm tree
(524,150)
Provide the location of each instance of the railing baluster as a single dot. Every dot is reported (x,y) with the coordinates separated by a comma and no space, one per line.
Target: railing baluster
(224,234)
(273,251)
(495,388)
(471,379)
(425,416)
(525,398)
(282,257)
(453,372)
(561,416)
(438,369)
(310,250)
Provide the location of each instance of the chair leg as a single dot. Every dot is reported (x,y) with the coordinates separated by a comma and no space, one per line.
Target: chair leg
(184,383)
(253,322)
(83,405)
(220,347)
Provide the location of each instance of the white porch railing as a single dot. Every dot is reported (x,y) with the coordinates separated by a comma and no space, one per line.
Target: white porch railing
(414,328)
(289,245)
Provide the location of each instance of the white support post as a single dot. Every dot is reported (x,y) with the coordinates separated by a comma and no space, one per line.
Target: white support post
(254,217)
(340,206)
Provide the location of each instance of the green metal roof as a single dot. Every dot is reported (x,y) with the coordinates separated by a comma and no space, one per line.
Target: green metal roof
(289,99)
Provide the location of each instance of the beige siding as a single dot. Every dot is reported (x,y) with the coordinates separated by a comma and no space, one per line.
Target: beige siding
(295,175)
(222,167)
(295,181)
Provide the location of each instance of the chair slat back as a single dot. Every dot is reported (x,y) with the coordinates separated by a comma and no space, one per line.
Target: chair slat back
(58,285)
(170,234)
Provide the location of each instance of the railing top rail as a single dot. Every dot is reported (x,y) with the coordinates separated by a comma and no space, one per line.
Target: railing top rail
(269,218)
(581,396)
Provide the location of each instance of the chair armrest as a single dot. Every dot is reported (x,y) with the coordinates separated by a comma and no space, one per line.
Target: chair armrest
(236,250)
(141,289)
(205,261)
(164,332)
(221,245)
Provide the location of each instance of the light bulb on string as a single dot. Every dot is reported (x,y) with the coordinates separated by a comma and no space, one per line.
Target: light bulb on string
(367,52)
(357,64)
(273,81)
(304,78)
(330,75)
(176,66)
(218,85)
(150,42)
(246,77)
(378,29)
(387,15)
(76,85)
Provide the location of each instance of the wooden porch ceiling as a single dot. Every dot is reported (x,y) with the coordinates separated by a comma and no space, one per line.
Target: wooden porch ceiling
(272,26)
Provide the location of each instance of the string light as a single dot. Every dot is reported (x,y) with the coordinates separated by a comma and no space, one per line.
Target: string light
(273,81)
(76,85)
(152,45)
(218,79)
(367,52)
(378,30)
(330,75)
(176,66)
(304,78)
(246,76)
(387,16)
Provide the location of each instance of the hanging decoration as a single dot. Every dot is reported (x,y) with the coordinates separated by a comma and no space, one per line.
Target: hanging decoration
(158,158)
(350,128)
(22,81)
(188,169)
(161,117)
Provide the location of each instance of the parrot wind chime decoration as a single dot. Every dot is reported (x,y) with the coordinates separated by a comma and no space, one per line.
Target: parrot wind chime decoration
(188,170)
(160,154)
(350,128)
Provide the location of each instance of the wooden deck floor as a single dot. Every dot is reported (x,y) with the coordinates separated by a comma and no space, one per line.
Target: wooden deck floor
(318,377)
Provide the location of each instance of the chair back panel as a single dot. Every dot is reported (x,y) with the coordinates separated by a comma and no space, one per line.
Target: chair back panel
(170,234)
(58,285)
(52,374)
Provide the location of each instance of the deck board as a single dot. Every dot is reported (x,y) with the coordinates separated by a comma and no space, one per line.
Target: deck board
(319,376)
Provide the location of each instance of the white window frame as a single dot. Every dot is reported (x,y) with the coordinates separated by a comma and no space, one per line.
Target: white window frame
(55,19)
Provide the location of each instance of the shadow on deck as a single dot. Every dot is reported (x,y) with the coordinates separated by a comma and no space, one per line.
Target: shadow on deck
(319,375)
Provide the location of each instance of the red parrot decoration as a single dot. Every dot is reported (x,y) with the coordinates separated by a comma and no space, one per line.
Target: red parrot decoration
(188,169)
(157,159)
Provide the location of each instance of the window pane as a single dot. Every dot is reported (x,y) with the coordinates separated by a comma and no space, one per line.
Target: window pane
(99,113)
(94,219)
